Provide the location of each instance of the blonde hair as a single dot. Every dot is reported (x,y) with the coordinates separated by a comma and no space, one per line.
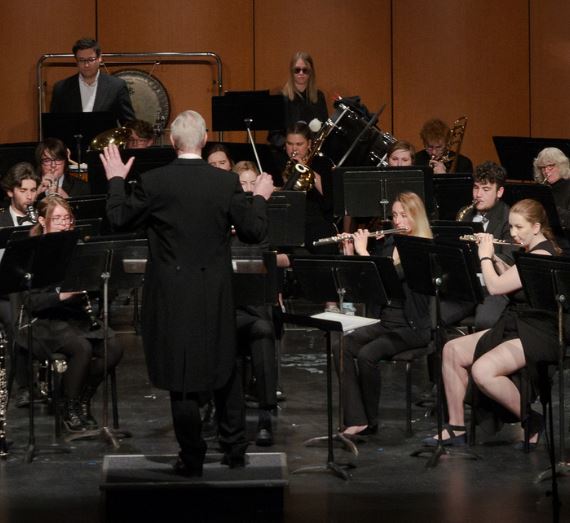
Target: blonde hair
(45,210)
(289,89)
(245,165)
(415,208)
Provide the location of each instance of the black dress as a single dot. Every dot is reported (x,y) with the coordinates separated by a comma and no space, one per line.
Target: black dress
(536,329)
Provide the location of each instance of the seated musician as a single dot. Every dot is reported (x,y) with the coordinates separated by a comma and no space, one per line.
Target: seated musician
(401,154)
(435,135)
(404,325)
(142,134)
(52,158)
(21,185)
(551,166)
(521,337)
(319,219)
(493,213)
(218,155)
(63,325)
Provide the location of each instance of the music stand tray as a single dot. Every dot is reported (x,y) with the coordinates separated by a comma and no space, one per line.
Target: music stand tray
(263,110)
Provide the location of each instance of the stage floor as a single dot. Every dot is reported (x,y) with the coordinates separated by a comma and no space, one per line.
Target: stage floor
(385,485)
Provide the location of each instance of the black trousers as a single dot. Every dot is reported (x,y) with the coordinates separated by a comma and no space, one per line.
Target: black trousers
(361,383)
(256,336)
(230,407)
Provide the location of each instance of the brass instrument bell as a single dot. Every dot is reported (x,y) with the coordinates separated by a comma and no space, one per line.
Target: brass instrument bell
(118,136)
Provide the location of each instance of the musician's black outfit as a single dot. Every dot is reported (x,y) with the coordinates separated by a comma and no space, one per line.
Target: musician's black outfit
(188,317)
(537,331)
(65,327)
(464,164)
(561,195)
(495,222)
(404,325)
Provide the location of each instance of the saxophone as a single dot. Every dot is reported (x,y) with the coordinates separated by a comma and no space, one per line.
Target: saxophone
(3,394)
(464,210)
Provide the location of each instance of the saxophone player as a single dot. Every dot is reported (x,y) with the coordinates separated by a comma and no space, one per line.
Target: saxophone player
(489,209)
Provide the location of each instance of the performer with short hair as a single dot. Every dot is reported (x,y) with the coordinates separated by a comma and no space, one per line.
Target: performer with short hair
(188,318)
(89,90)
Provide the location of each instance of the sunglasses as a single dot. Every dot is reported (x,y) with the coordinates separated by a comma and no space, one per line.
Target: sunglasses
(299,70)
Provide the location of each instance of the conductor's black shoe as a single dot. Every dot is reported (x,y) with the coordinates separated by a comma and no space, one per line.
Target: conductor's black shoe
(182,469)
(264,438)
(234,461)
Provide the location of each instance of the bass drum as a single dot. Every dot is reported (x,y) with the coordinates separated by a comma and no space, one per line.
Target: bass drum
(371,148)
(148,96)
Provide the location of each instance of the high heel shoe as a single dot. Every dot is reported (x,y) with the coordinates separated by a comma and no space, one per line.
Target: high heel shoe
(534,426)
(453,440)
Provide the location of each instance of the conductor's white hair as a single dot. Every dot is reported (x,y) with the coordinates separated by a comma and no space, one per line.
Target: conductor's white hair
(188,132)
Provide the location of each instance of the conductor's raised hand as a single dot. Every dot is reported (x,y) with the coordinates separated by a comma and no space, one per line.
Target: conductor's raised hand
(264,186)
(113,163)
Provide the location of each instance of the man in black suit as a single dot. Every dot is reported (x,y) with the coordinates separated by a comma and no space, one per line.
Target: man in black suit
(188,317)
(487,208)
(21,185)
(89,90)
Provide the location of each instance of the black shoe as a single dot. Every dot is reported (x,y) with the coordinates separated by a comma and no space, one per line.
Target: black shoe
(22,398)
(89,422)
(72,416)
(453,440)
(534,423)
(234,461)
(264,438)
(182,469)
(368,431)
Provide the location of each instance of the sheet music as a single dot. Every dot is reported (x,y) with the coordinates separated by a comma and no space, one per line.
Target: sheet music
(349,323)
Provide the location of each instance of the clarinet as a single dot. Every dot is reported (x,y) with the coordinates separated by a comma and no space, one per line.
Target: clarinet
(88,308)
(32,214)
(3,394)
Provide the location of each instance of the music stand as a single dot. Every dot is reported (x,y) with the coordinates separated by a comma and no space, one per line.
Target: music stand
(330,279)
(247,110)
(76,129)
(362,191)
(34,263)
(93,268)
(442,271)
(546,282)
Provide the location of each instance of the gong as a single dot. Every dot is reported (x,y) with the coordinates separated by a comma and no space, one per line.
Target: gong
(148,96)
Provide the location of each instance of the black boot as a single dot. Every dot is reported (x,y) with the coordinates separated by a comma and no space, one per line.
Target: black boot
(264,436)
(72,416)
(89,422)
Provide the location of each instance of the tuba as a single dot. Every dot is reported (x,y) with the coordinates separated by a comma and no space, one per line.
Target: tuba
(119,136)
(299,176)
(453,146)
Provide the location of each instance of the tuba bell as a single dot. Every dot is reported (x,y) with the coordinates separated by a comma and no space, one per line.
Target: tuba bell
(118,136)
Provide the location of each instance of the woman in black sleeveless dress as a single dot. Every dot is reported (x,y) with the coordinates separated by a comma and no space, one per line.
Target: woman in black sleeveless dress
(522,337)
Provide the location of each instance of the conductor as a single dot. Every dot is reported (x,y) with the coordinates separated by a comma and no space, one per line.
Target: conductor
(189,334)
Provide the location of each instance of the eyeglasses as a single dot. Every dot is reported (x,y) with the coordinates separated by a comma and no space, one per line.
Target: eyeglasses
(84,61)
(303,70)
(548,166)
(60,220)
(50,161)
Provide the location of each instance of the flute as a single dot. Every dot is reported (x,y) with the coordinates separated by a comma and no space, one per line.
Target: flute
(347,236)
(473,238)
